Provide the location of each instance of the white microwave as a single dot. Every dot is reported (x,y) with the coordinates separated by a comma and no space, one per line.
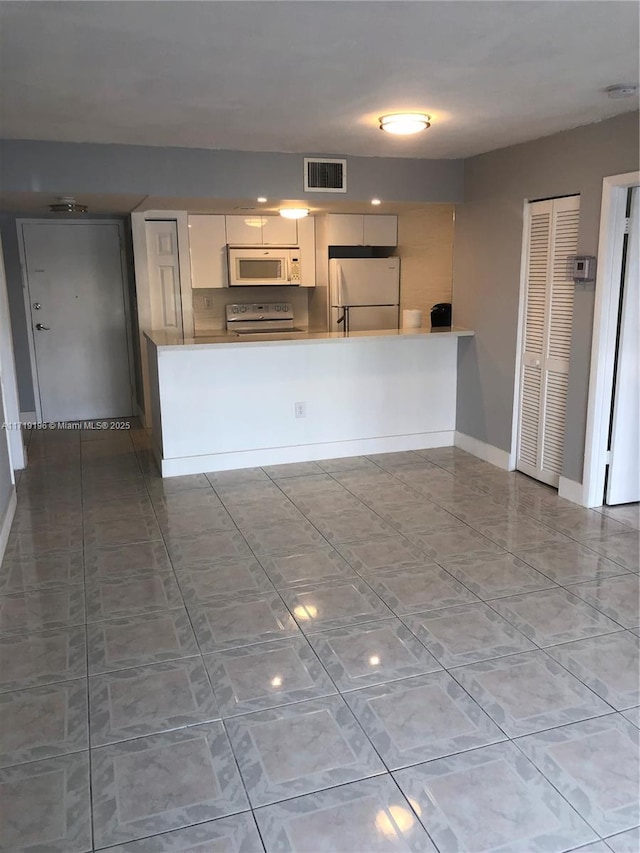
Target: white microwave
(253,267)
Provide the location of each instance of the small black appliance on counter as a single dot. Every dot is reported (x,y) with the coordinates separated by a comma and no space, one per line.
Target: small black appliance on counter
(441,315)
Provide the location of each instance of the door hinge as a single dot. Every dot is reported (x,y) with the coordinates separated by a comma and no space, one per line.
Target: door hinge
(627,223)
(607,458)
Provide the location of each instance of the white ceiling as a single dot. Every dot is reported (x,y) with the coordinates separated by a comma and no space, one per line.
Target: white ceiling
(312,76)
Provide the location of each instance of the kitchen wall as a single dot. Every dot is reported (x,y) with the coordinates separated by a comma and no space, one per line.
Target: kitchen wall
(486,268)
(425,246)
(211,317)
(62,167)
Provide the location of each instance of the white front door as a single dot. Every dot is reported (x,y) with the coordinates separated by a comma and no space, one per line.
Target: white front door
(623,478)
(76,302)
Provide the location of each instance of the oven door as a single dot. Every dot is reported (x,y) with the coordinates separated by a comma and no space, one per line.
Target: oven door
(255,267)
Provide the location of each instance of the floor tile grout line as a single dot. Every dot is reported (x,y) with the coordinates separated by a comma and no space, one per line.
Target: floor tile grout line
(396,615)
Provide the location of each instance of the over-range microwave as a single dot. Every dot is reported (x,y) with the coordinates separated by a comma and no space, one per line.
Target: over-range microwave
(252,267)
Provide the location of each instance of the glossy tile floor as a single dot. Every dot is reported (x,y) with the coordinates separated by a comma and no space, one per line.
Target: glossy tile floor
(407,652)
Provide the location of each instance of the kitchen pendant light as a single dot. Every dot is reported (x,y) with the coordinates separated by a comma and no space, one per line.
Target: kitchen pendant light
(294,212)
(404,124)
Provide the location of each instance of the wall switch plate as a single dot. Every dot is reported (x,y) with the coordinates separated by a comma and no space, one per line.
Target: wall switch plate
(300,410)
(207,302)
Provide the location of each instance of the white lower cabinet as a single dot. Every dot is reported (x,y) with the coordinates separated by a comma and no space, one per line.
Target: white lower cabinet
(208,250)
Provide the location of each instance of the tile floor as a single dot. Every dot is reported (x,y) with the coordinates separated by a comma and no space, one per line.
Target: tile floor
(406,652)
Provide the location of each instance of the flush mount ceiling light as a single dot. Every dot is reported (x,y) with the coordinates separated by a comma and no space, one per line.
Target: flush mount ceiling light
(261,199)
(294,212)
(67,204)
(621,91)
(404,124)
(376,201)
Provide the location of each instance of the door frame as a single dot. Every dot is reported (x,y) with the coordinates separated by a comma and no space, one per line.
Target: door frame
(605,327)
(27,300)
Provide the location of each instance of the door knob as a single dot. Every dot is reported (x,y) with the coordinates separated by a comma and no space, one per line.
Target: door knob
(42,328)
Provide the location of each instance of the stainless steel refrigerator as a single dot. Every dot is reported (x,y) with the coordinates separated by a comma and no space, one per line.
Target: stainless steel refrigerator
(364,294)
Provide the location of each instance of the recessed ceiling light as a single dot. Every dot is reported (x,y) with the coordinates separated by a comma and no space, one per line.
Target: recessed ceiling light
(404,124)
(375,201)
(261,199)
(621,91)
(294,212)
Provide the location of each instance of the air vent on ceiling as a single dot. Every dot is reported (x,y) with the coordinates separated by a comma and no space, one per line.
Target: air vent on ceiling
(323,175)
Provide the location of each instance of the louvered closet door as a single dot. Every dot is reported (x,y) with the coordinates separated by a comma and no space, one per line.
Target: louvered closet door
(552,241)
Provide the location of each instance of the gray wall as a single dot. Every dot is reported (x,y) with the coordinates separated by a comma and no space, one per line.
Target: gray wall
(60,167)
(486,268)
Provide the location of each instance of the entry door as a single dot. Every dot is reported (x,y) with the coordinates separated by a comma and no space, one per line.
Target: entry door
(164,275)
(623,478)
(76,298)
(552,242)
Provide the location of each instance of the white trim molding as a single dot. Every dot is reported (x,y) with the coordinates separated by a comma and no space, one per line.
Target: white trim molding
(179,466)
(494,455)
(7,521)
(605,320)
(572,491)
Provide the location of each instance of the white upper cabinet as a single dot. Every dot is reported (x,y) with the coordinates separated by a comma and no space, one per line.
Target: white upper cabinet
(261,231)
(345,229)
(380,230)
(244,230)
(355,229)
(278,231)
(208,250)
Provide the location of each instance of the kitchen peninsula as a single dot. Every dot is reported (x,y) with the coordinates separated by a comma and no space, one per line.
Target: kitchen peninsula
(224,402)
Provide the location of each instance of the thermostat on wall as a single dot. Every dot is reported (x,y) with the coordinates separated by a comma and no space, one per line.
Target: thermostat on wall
(583,268)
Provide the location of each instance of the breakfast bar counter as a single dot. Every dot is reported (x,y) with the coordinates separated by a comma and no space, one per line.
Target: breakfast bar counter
(230,401)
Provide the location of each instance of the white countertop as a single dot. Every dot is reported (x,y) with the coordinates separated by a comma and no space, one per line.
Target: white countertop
(171,340)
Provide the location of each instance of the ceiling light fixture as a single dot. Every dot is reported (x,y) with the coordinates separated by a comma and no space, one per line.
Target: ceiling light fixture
(375,201)
(294,212)
(261,199)
(404,124)
(67,204)
(621,91)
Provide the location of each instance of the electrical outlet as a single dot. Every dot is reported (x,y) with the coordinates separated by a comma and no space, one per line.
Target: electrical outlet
(300,410)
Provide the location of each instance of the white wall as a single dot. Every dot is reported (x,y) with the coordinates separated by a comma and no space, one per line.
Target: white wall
(11,448)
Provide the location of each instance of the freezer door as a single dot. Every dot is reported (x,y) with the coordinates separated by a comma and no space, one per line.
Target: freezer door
(367,319)
(365,281)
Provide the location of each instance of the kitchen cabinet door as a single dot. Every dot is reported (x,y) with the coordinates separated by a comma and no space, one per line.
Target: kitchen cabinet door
(380,230)
(307,243)
(278,231)
(208,250)
(244,230)
(345,229)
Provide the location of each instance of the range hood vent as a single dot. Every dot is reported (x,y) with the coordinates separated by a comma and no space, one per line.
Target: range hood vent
(324,175)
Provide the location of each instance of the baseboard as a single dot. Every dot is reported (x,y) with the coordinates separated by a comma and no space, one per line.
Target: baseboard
(301,453)
(572,491)
(493,455)
(28,418)
(7,521)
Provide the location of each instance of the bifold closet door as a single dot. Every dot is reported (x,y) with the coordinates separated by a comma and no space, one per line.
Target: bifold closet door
(552,240)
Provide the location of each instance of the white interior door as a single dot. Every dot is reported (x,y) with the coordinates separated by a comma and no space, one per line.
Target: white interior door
(552,242)
(76,301)
(623,479)
(164,275)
